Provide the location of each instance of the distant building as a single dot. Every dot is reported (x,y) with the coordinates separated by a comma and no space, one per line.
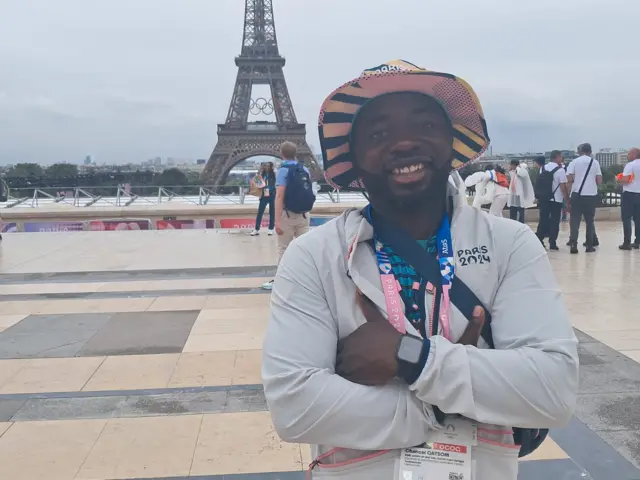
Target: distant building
(607,158)
(88,160)
(201,161)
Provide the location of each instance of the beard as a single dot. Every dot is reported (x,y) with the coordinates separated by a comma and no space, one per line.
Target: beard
(423,196)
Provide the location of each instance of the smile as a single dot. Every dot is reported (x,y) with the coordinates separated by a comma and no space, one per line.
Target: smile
(408,169)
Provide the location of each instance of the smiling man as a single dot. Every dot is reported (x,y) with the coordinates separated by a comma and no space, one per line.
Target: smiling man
(417,337)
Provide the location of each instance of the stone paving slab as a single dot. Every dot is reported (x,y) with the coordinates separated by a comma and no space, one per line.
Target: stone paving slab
(141,333)
(119,406)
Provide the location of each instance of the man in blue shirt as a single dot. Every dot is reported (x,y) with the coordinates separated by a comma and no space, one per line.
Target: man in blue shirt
(289,225)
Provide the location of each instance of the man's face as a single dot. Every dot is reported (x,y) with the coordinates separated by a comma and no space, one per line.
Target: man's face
(402,143)
(633,154)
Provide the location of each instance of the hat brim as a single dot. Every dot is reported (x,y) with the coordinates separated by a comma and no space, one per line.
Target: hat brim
(470,136)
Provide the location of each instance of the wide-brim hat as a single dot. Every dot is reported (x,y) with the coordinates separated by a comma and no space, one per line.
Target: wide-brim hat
(457,98)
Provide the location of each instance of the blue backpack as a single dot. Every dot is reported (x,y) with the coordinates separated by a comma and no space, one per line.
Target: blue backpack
(299,196)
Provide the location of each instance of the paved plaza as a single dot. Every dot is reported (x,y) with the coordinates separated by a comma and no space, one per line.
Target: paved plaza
(128,355)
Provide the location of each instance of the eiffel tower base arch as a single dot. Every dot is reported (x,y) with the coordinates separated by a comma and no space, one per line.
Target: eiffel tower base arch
(232,149)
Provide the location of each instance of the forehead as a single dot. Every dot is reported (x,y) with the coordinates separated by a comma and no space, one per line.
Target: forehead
(401,103)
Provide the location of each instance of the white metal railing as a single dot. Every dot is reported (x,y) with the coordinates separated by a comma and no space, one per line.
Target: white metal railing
(121,196)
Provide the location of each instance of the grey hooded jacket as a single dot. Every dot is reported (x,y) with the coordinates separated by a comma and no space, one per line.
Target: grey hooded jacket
(530,380)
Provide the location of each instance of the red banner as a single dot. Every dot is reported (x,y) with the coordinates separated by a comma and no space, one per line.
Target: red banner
(184,224)
(241,223)
(118,225)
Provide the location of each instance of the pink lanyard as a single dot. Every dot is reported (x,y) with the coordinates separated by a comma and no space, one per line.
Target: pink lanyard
(395,308)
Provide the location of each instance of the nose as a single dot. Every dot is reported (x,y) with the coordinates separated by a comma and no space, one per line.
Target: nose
(405,148)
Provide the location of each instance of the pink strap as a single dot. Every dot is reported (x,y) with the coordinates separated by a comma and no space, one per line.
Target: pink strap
(393,302)
(444,312)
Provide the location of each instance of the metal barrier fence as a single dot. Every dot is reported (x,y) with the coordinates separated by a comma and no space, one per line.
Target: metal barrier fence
(124,196)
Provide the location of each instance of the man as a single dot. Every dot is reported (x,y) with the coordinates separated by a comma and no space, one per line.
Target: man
(338,374)
(294,199)
(584,175)
(552,189)
(520,190)
(491,188)
(630,181)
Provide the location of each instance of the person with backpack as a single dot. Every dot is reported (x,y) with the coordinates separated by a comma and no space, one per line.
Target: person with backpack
(382,321)
(584,175)
(551,191)
(295,197)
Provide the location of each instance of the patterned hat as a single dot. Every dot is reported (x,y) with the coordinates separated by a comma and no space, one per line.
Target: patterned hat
(470,137)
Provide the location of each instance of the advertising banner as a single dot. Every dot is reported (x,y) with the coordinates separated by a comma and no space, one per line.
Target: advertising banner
(53,227)
(242,223)
(9,227)
(118,225)
(174,224)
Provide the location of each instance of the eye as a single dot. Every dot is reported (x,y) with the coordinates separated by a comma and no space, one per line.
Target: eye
(378,134)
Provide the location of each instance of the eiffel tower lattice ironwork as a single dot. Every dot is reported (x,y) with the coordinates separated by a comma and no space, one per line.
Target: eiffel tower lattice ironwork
(259,63)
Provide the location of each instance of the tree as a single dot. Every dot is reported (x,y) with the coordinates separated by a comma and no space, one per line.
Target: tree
(30,170)
(171,177)
(59,171)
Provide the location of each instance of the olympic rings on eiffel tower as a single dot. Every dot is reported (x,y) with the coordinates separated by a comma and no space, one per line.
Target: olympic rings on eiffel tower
(260,105)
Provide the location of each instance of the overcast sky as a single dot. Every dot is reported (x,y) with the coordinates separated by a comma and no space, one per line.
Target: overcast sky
(127,80)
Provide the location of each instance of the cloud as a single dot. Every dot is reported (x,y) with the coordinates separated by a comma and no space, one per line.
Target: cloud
(126,81)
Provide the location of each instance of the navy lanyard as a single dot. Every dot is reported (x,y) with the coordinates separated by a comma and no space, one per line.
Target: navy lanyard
(447,271)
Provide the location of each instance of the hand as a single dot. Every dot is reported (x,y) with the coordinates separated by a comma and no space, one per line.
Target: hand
(279,230)
(368,355)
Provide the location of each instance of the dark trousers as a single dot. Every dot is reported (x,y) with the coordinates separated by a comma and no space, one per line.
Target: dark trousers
(583,206)
(549,225)
(517,214)
(271,202)
(630,210)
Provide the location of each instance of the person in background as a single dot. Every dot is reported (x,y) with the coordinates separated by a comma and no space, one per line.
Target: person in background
(554,178)
(630,181)
(520,190)
(501,197)
(584,175)
(295,197)
(491,187)
(267,175)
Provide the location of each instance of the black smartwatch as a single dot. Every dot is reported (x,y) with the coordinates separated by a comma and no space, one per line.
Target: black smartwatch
(410,359)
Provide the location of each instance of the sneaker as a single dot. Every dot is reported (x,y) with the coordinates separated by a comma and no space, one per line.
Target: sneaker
(574,248)
(625,246)
(596,243)
(255,233)
(635,246)
(268,285)
(270,232)
(590,249)
(553,246)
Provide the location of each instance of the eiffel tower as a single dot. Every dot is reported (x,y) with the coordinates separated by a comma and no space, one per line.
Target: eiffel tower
(259,63)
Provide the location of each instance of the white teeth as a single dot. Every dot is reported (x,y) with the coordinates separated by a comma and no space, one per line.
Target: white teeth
(409,169)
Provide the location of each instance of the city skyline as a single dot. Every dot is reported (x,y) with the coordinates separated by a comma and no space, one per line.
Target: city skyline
(125,83)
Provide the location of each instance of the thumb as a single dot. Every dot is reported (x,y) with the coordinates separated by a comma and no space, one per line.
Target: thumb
(472,333)
(479,315)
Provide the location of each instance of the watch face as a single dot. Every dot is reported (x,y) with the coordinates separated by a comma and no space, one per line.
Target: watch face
(410,349)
